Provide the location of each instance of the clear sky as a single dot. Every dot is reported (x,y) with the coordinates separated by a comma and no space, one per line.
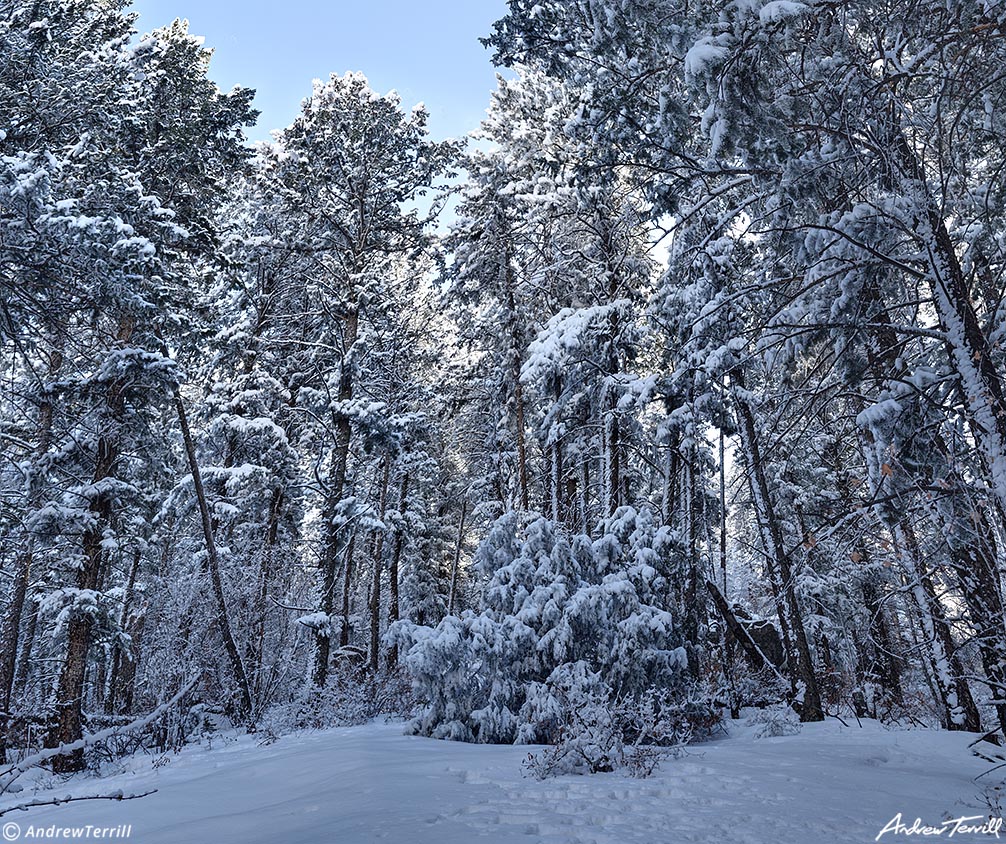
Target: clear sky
(427,50)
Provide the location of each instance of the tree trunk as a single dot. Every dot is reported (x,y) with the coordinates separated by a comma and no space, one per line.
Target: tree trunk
(375,591)
(452,598)
(9,639)
(961,711)
(970,352)
(334,530)
(262,599)
(347,587)
(613,481)
(882,661)
(11,626)
(27,643)
(518,398)
(694,606)
(800,659)
(559,506)
(723,511)
(969,554)
(117,652)
(68,724)
(127,671)
(516,353)
(213,564)
(396,557)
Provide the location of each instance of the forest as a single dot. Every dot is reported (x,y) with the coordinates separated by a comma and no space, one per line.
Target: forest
(678,390)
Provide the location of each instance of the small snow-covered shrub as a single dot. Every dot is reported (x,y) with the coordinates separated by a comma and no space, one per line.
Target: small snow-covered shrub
(658,727)
(590,733)
(665,720)
(572,712)
(750,687)
(589,745)
(775,721)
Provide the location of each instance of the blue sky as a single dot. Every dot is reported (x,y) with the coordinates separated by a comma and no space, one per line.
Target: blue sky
(427,50)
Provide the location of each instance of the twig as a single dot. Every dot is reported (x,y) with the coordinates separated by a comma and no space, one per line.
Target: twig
(990,770)
(839,718)
(283,606)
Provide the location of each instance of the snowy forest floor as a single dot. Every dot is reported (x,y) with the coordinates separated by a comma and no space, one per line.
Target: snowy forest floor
(355,785)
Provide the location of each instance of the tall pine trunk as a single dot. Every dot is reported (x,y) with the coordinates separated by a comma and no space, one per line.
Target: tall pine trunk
(67,726)
(118,654)
(335,538)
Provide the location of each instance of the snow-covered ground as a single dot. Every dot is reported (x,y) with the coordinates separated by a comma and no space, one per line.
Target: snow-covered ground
(369,784)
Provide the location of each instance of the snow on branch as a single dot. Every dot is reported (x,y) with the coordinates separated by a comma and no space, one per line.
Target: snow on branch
(10,774)
(59,801)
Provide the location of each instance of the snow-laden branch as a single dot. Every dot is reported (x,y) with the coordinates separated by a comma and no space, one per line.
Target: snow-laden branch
(10,774)
(118,796)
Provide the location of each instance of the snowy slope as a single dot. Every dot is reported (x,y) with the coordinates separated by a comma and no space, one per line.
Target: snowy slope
(363,784)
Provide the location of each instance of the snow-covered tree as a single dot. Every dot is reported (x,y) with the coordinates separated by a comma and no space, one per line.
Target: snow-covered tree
(552,601)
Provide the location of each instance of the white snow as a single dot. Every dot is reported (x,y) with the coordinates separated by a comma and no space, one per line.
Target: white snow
(703,53)
(779,10)
(365,784)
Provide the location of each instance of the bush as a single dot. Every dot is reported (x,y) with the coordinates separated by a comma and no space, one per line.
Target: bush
(775,721)
(348,699)
(590,734)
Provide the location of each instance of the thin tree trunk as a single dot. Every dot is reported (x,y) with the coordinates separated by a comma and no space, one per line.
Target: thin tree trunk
(961,711)
(693,603)
(772,537)
(9,639)
(883,662)
(518,397)
(723,512)
(559,507)
(127,671)
(347,585)
(396,557)
(213,563)
(973,555)
(375,590)
(614,478)
(516,351)
(262,599)
(452,598)
(117,653)
(27,643)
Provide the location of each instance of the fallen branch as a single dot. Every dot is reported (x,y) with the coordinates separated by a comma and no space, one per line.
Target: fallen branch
(10,774)
(59,801)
